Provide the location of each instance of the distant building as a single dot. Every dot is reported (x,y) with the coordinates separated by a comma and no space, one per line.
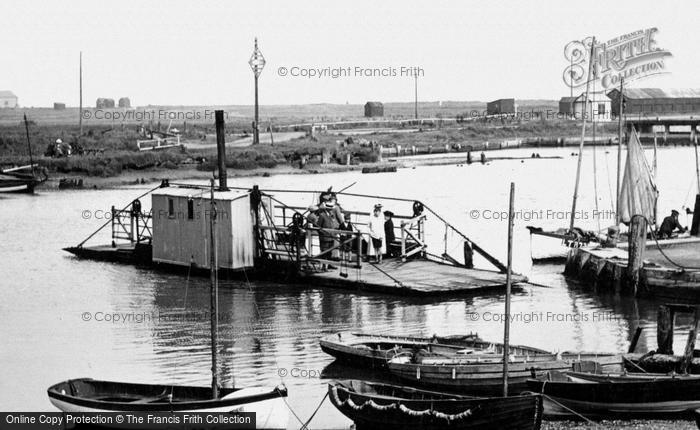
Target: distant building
(8,99)
(656,101)
(500,106)
(124,102)
(102,103)
(597,109)
(59,106)
(374,109)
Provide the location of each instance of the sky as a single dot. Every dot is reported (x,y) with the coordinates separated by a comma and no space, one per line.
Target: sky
(196,53)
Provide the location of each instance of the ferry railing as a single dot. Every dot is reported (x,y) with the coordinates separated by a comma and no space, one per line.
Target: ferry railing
(419,208)
(131,225)
(407,228)
(299,248)
(164,183)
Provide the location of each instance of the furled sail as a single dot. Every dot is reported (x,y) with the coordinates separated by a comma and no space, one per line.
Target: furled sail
(638,193)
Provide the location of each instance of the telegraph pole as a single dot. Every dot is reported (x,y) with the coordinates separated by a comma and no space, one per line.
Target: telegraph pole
(80,113)
(415,103)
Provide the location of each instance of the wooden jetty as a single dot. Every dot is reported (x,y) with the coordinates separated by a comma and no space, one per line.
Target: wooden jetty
(258,235)
(607,268)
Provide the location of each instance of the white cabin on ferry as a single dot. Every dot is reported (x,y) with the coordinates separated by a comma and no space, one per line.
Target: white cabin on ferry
(181,228)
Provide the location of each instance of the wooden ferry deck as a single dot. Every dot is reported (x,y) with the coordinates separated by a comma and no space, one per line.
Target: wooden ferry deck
(283,242)
(413,277)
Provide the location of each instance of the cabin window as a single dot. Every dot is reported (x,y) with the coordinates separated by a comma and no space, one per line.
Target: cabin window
(171,208)
(190,209)
(601,109)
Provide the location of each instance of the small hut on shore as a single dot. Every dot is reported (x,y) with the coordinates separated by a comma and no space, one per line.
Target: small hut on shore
(103,103)
(374,109)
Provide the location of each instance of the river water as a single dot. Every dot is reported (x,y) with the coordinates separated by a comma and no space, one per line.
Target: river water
(62,318)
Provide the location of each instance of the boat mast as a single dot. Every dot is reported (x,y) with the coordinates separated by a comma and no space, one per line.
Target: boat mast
(621,106)
(506,328)
(697,162)
(29,144)
(80,113)
(656,173)
(583,137)
(214,294)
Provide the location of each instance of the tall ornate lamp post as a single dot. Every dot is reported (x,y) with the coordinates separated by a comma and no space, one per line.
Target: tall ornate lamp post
(257,63)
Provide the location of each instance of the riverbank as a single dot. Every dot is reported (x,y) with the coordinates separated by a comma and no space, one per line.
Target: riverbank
(110,158)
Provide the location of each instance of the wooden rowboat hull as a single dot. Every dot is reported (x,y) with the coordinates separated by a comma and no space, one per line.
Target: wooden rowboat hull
(620,398)
(88,395)
(18,183)
(483,379)
(373,351)
(389,407)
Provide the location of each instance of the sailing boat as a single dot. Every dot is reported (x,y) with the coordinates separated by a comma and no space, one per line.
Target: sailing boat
(16,179)
(88,395)
(573,236)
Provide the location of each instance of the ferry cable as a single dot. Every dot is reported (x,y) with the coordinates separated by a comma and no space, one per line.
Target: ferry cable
(376,266)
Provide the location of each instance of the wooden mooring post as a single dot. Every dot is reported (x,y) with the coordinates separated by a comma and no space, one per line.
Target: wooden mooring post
(635,259)
(664,330)
(690,345)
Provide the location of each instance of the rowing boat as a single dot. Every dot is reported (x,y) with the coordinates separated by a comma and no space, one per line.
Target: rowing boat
(483,372)
(373,351)
(89,395)
(618,396)
(389,407)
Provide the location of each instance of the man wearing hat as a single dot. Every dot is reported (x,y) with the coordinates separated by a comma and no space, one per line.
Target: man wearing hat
(327,217)
(669,225)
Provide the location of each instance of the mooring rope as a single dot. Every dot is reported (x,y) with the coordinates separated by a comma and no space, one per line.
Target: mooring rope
(306,424)
(571,410)
(544,383)
(634,364)
(658,245)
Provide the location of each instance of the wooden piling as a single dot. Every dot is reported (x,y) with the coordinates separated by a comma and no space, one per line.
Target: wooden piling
(664,330)
(690,345)
(635,340)
(637,244)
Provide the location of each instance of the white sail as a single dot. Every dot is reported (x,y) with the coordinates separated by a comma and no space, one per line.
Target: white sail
(638,193)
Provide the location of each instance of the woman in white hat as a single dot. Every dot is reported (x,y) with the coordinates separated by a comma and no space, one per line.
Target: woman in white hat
(376,231)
